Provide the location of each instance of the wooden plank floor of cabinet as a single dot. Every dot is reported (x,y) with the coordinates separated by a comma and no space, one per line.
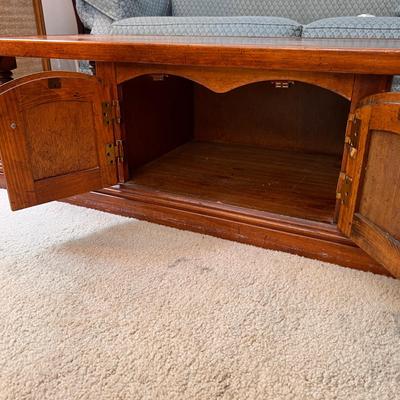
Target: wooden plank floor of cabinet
(301,185)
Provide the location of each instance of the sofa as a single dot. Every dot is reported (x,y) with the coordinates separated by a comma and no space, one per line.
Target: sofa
(341,19)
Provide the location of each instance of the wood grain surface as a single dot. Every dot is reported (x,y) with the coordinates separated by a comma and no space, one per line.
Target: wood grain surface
(322,55)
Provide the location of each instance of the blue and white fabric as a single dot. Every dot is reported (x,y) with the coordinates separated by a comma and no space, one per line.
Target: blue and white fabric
(303,11)
(208,26)
(97,12)
(354,28)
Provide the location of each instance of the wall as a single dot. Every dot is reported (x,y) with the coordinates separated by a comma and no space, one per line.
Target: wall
(59,18)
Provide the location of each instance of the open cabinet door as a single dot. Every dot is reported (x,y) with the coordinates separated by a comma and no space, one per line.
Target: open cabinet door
(370,187)
(56,138)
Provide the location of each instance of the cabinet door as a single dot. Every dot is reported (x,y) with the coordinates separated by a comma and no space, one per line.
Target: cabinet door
(55,141)
(370,187)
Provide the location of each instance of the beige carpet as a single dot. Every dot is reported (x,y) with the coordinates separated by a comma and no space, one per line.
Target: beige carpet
(94,306)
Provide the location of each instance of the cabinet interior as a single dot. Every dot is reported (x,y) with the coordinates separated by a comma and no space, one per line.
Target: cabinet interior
(256,147)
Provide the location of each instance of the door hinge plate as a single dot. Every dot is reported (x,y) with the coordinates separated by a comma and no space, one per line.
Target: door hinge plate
(345,188)
(107,113)
(115,152)
(110,153)
(353,139)
(111,112)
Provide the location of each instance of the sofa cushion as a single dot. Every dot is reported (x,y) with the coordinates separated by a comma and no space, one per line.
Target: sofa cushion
(86,13)
(119,9)
(207,26)
(304,11)
(354,28)
(101,24)
(396,84)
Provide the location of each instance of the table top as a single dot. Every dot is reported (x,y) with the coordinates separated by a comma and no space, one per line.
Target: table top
(364,56)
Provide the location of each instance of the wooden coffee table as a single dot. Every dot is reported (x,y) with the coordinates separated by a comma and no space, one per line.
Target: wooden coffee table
(289,144)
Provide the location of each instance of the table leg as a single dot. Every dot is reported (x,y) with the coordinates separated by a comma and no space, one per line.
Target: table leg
(7,64)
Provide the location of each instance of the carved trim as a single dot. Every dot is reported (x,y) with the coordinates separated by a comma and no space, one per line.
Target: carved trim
(221,80)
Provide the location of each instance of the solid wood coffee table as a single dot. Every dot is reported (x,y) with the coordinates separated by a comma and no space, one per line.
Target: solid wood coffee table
(288,144)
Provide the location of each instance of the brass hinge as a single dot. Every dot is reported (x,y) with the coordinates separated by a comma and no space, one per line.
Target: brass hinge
(115,152)
(158,77)
(110,153)
(345,187)
(111,112)
(354,138)
(107,112)
(282,84)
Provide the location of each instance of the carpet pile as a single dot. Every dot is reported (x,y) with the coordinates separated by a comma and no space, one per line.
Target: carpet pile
(96,306)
